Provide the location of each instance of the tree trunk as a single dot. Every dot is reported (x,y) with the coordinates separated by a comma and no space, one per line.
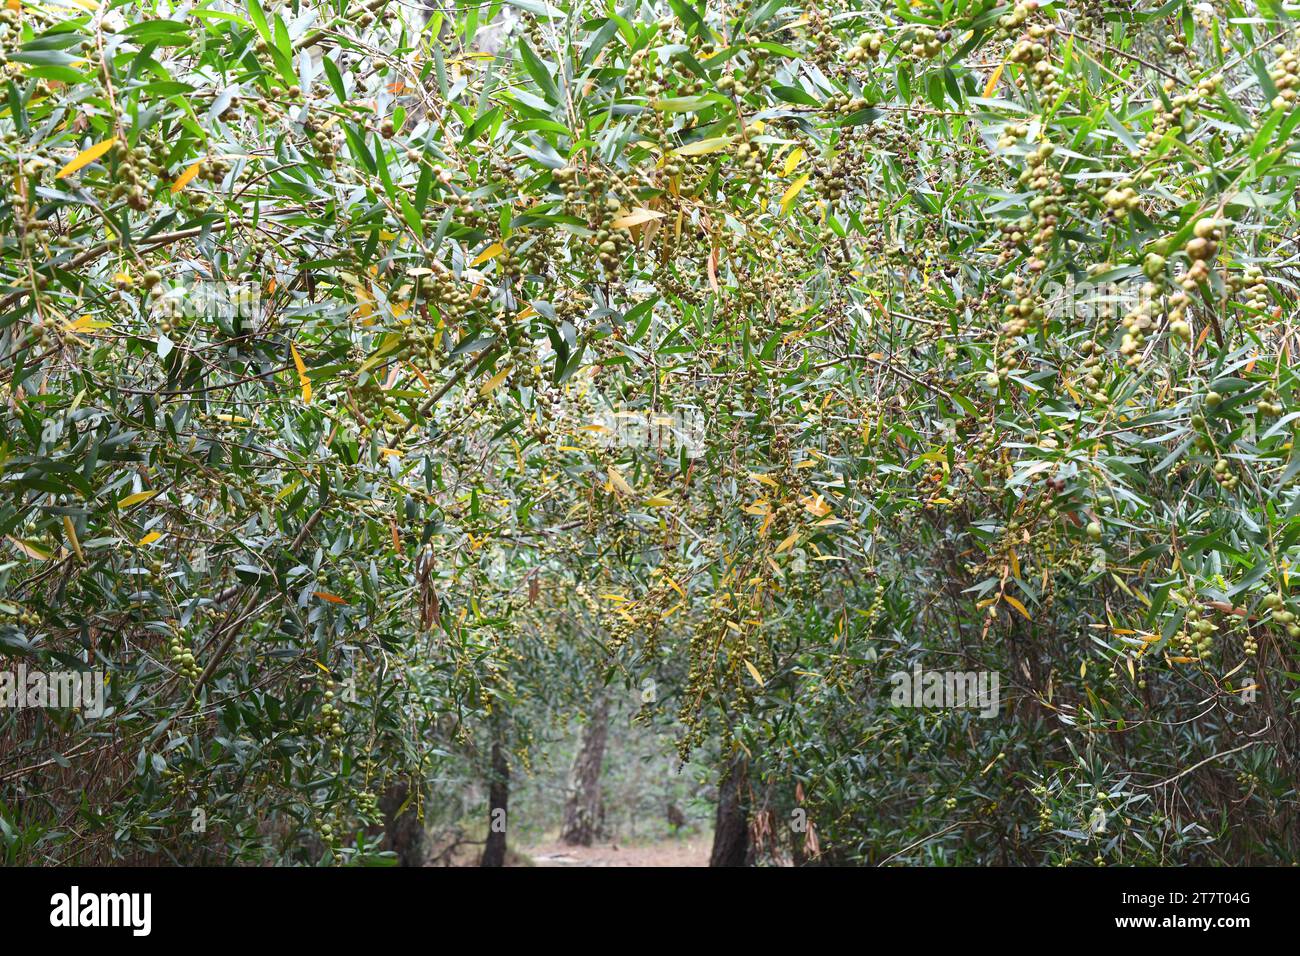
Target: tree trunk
(582,808)
(403,829)
(494,850)
(731,826)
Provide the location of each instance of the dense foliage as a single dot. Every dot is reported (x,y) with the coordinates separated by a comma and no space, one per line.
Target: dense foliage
(380,388)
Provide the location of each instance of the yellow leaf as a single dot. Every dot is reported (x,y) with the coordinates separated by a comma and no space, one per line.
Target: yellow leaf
(184,178)
(1017,605)
(793,191)
(816,505)
(488,254)
(753,672)
(28,549)
(792,161)
(135,499)
(619,482)
(788,543)
(992,84)
(635,218)
(71,531)
(148,539)
(700,147)
(494,381)
(86,156)
(326,596)
(658,501)
(303,380)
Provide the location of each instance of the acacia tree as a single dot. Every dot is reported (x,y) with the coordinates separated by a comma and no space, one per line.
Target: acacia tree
(795,345)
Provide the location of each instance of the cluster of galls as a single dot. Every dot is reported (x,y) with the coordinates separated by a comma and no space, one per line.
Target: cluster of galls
(177,781)
(326,148)
(1032,52)
(1270,402)
(541,255)
(1047,207)
(1200,249)
(844,104)
(547,400)
(1197,635)
(1139,320)
(445,293)
(612,244)
(926,43)
(821,33)
(686,83)
(1283,615)
(1223,475)
(935,495)
(1028,307)
(373,402)
(183,659)
(602,207)
(637,72)
(1013,21)
(1285,74)
(213,170)
(367,805)
(510,266)
(1011,134)
(573,307)
(19,618)
(1251,281)
(132,163)
(1121,199)
(1179,327)
(328,724)
(34,231)
(838,177)
(567,179)
(420,340)
(1181,110)
(750,157)
(867,48)
(10,30)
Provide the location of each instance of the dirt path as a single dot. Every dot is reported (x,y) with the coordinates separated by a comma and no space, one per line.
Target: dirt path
(688,851)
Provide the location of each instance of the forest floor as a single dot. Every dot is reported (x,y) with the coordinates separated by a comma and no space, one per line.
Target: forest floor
(688,850)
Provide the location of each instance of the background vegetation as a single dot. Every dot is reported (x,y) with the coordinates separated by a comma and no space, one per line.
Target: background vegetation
(383,389)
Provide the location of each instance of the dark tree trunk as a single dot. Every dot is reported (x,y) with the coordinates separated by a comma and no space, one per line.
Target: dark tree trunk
(403,829)
(494,850)
(582,808)
(731,826)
